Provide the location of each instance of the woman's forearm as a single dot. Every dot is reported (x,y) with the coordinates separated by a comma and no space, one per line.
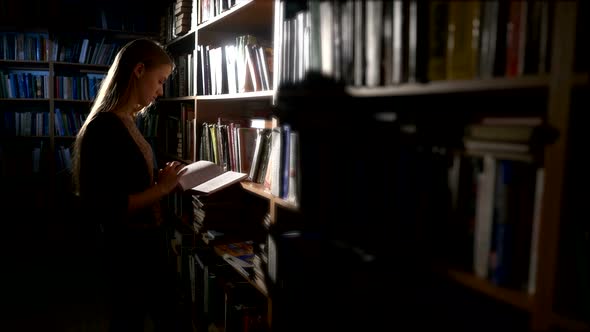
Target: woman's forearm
(145,198)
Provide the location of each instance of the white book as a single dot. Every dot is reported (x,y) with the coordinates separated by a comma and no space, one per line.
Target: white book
(293,178)
(83,51)
(539,186)
(484,217)
(206,177)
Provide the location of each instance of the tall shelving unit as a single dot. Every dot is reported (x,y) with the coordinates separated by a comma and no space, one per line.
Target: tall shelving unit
(252,17)
(545,94)
(215,24)
(53,172)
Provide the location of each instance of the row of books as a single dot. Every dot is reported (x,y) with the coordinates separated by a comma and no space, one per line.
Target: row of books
(269,156)
(496,185)
(234,68)
(25,123)
(24,84)
(63,158)
(208,9)
(380,43)
(40,47)
(177,20)
(98,51)
(81,87)
(183,10)
(24,46)
(182,82)
(67,123)
(228,301)
(230,145)
(147,123)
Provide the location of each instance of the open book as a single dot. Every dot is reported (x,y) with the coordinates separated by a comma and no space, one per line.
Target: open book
(206,177)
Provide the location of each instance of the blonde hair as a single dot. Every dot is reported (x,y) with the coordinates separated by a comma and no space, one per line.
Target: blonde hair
(115,89)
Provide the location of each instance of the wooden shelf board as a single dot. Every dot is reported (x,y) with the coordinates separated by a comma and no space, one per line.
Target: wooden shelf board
(283,203)
(178,40)
(21,137)
(25,99)
(250,13)
(257,189)
(82,66)
(516,298)
(452,86)
(24,64)
(569,324)
(525,157)
(245,95)
(73,100)
(183,98)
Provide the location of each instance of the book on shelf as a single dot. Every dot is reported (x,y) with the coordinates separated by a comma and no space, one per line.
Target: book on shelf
(206,177)
(239,255)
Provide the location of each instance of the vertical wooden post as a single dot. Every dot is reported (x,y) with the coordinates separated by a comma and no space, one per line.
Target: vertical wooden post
(555,157)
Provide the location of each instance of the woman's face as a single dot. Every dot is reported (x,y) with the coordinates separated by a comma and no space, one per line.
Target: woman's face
(150,84)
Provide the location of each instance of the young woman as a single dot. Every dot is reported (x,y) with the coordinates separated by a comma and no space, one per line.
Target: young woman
(120,191)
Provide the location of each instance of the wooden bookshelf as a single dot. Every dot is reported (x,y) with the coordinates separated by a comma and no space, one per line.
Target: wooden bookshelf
(25,64)
(24,100)
(544,89)
(172,99)
(550,84)
(82,67)
(257,189)
(247,13)
(252,16)
(274,202)
(245,17)
(53,68)
(518,299)
(241,96)
(568,324)
(255,282)
(186,38)
(453,86)
(73,101)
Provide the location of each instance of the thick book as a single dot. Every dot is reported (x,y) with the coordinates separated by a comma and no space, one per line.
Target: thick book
(206,177)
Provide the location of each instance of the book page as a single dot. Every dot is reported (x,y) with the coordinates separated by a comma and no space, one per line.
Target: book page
(197,173)
(220,182)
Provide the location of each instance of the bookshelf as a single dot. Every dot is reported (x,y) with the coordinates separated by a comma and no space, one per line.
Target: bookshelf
(455,86)
(219,36)
(454,101)
(443,101)
(66,68)
(515,298)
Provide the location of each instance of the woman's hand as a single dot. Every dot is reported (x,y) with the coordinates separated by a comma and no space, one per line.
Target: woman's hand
(168,177)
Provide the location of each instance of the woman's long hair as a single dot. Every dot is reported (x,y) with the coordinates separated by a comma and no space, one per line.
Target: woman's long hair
(115,89)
